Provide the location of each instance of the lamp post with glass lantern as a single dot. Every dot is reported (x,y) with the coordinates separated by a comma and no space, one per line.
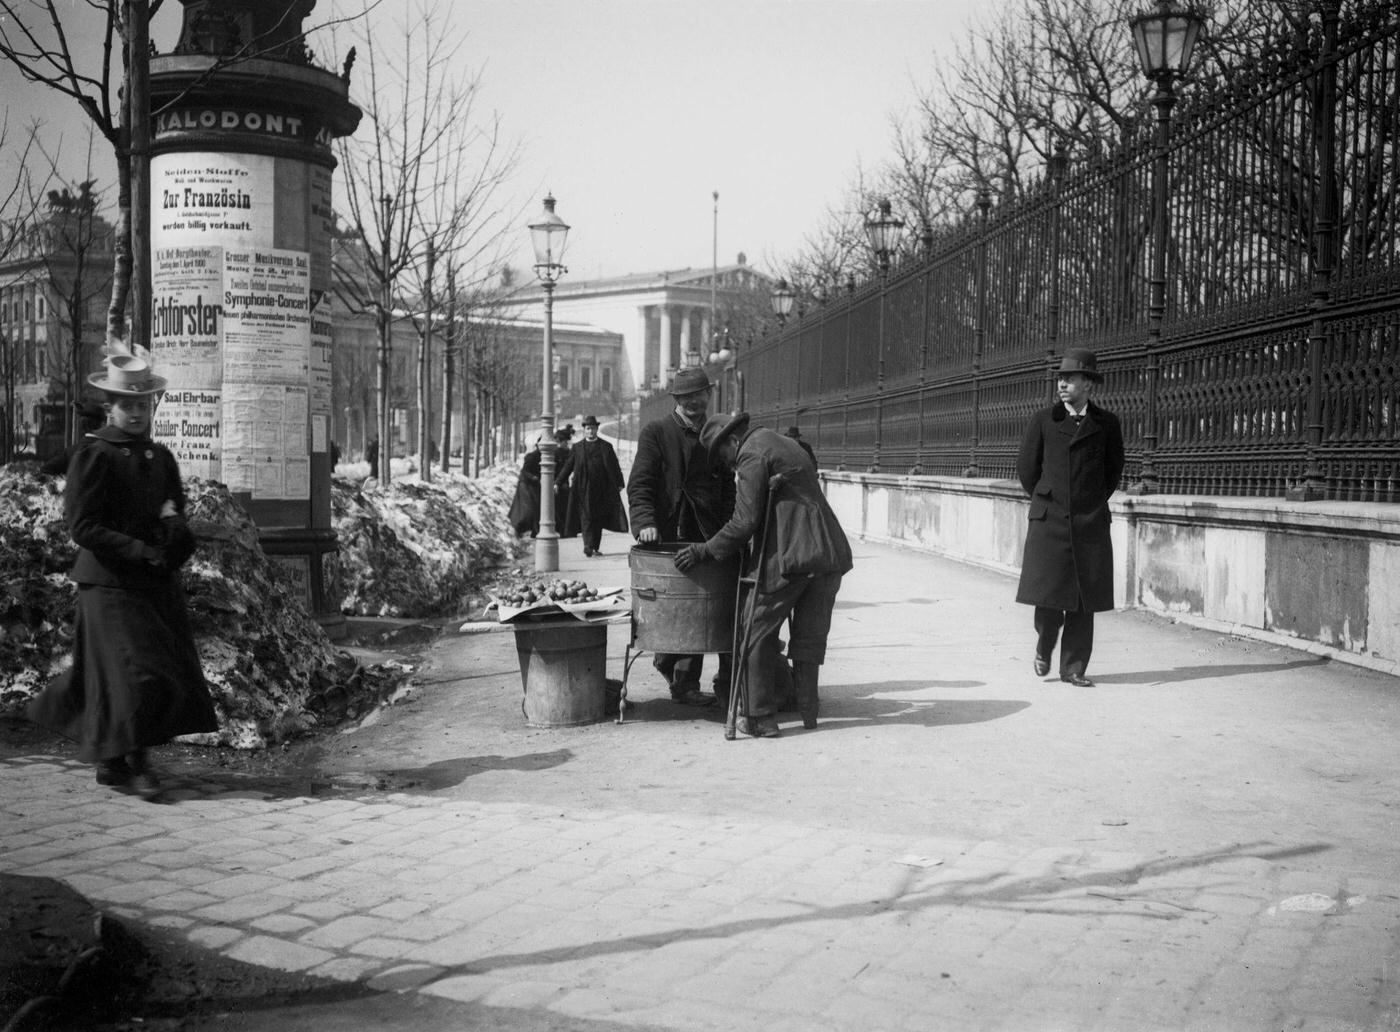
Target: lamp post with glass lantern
(1165,38)
(548,234)
(882,230)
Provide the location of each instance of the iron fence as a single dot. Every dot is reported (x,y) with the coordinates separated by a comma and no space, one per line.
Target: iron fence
(1276,370)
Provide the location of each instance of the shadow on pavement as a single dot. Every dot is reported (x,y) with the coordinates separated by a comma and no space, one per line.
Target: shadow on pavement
(1089,893)
(1175,675)
(431,777)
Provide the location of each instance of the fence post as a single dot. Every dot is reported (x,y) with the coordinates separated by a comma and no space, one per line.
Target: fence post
(918,468)
(984,204)
(1059,162)
(846,404)
(1313,485)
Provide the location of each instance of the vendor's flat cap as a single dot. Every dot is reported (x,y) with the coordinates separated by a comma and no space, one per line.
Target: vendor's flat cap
(718,429)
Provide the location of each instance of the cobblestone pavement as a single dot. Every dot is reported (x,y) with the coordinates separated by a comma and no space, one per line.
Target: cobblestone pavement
(1205,841)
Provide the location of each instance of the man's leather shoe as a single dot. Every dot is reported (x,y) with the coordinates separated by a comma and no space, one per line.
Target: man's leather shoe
(1041,666)
(759,727)
(692,697)
(1078,680)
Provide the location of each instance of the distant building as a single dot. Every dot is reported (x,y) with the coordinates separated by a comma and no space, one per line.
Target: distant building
(661,316)
(60,266)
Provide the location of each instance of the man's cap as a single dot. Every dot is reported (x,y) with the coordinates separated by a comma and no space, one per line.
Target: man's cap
(1081,360)
(792,431)
(689,380)
(718,429)
(590,420)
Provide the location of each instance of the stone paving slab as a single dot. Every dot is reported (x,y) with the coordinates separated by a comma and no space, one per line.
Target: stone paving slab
(690,925)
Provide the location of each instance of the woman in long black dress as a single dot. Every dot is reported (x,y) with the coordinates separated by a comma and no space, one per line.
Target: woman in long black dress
(136,680)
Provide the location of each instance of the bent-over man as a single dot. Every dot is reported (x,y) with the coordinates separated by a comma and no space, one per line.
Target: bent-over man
(798,558)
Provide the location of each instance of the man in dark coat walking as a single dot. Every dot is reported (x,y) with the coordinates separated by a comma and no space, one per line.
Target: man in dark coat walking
(796,434)
(676,494)
(1071,461)
(796,564)
(593,478)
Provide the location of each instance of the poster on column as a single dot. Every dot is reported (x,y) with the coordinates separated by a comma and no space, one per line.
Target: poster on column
(211,197)
(186,283)
(266,356)
(265,446)
(188,422)
(321,341)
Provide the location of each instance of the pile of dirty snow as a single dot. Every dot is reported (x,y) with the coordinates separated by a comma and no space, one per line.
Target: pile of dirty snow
(422,550)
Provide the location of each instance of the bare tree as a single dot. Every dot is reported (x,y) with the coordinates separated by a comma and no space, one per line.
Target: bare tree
(424,171)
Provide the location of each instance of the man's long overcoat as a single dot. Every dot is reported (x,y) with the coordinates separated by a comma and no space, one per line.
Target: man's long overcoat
(594,490)
(673,487)
(1069,470)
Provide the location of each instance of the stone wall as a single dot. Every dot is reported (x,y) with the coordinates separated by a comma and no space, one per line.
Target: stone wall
(1318,576)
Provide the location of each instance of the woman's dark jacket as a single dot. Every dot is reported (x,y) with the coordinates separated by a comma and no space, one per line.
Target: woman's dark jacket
(117,487)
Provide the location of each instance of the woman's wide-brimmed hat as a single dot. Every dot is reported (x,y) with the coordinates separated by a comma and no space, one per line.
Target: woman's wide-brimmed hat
(1080,360)
(129,375)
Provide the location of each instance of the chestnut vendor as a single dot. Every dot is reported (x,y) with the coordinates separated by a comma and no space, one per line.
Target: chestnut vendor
(676,493)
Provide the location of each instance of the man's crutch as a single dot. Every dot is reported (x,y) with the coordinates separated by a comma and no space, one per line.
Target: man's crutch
(739,665)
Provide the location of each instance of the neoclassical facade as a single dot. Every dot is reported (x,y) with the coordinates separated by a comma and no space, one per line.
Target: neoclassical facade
(661,316)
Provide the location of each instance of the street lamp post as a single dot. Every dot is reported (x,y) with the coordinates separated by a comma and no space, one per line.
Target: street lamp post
(882,230)
(548,234)
(1165,38)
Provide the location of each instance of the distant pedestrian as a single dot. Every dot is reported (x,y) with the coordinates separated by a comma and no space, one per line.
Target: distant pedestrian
(676,493)
(136,679)
(372,457)
(334,456)
(524,514)
(91,417)
(593,478)
(797,554)
(796,435)
(1070,462)
(562,449)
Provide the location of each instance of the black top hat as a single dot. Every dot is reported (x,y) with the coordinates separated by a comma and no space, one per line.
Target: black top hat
(792,431)
(590,420)
(1081,360)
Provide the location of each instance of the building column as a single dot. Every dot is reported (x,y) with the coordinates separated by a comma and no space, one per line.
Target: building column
(707,337)
(641,373)
(686,315)
(664,351)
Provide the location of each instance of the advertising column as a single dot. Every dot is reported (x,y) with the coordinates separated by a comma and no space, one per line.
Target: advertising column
(240,254)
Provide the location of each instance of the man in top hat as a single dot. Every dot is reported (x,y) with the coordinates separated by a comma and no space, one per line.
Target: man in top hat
(796,435)
(593,478)
(675,493)
(799,556)
(1070,462)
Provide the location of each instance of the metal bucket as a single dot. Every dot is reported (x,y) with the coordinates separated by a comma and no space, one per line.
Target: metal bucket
(681,612)
(562,669)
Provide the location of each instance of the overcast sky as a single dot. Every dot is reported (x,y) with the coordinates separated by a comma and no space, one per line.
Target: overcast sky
(634,111)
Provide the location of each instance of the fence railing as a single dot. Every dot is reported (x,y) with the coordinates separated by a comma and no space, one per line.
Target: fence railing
(1277,369)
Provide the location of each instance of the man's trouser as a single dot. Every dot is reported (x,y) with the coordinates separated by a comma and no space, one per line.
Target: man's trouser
(808,601)
(1077,643)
